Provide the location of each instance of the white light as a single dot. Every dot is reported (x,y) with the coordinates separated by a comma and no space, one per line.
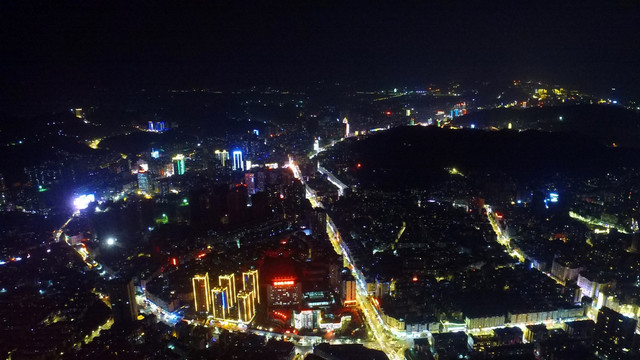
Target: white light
(111,241)
(82,202)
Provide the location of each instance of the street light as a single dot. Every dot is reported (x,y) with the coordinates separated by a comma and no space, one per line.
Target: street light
(111,241)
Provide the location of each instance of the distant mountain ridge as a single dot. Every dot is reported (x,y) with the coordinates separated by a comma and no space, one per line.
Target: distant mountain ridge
(606,124)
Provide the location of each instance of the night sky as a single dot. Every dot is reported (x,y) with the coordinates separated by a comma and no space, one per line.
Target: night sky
(62,48)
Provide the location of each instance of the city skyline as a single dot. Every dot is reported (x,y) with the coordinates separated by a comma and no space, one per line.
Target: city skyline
(320,180)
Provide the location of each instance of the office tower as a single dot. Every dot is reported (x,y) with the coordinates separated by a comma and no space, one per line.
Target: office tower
(143,181)
(222,156)
(178,164)
(228,282)
(238,164)
(219,303)
(246,306)
(250,283)
(201,293)
(122,297)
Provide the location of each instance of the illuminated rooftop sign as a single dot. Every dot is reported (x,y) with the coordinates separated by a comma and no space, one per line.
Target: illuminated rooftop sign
(284,283)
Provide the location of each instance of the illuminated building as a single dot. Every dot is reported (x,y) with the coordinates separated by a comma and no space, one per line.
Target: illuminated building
(167,170)
(284,292)
(246,306)
(201,293)
(591,287)
(228,282)
(250,283)
(614,333)
(178,164)
(156,126)
(317,299)
(238,164)
(219,303)
(349,292)
(306,319)
(140,164)
(78,113)
(143,181)
(564,270)
(346,127)
(222,156)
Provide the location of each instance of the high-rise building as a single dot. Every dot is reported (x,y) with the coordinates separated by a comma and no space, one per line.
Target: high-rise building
(167,170)
(613,334)
(246,306)
(122,297)
(156,126)
(238,164)
(346,127)
(143,181)
(178,164)
(284,291)
(219,303)
(250,284)
(249,180)
(222,156)
(201,293)
(228,282)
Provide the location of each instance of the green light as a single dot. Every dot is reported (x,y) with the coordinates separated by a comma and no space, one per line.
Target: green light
(164,219)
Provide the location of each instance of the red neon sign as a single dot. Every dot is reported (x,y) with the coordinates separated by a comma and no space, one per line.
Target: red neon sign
(283,283)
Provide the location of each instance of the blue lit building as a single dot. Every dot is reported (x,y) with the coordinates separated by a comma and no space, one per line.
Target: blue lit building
(238,163)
